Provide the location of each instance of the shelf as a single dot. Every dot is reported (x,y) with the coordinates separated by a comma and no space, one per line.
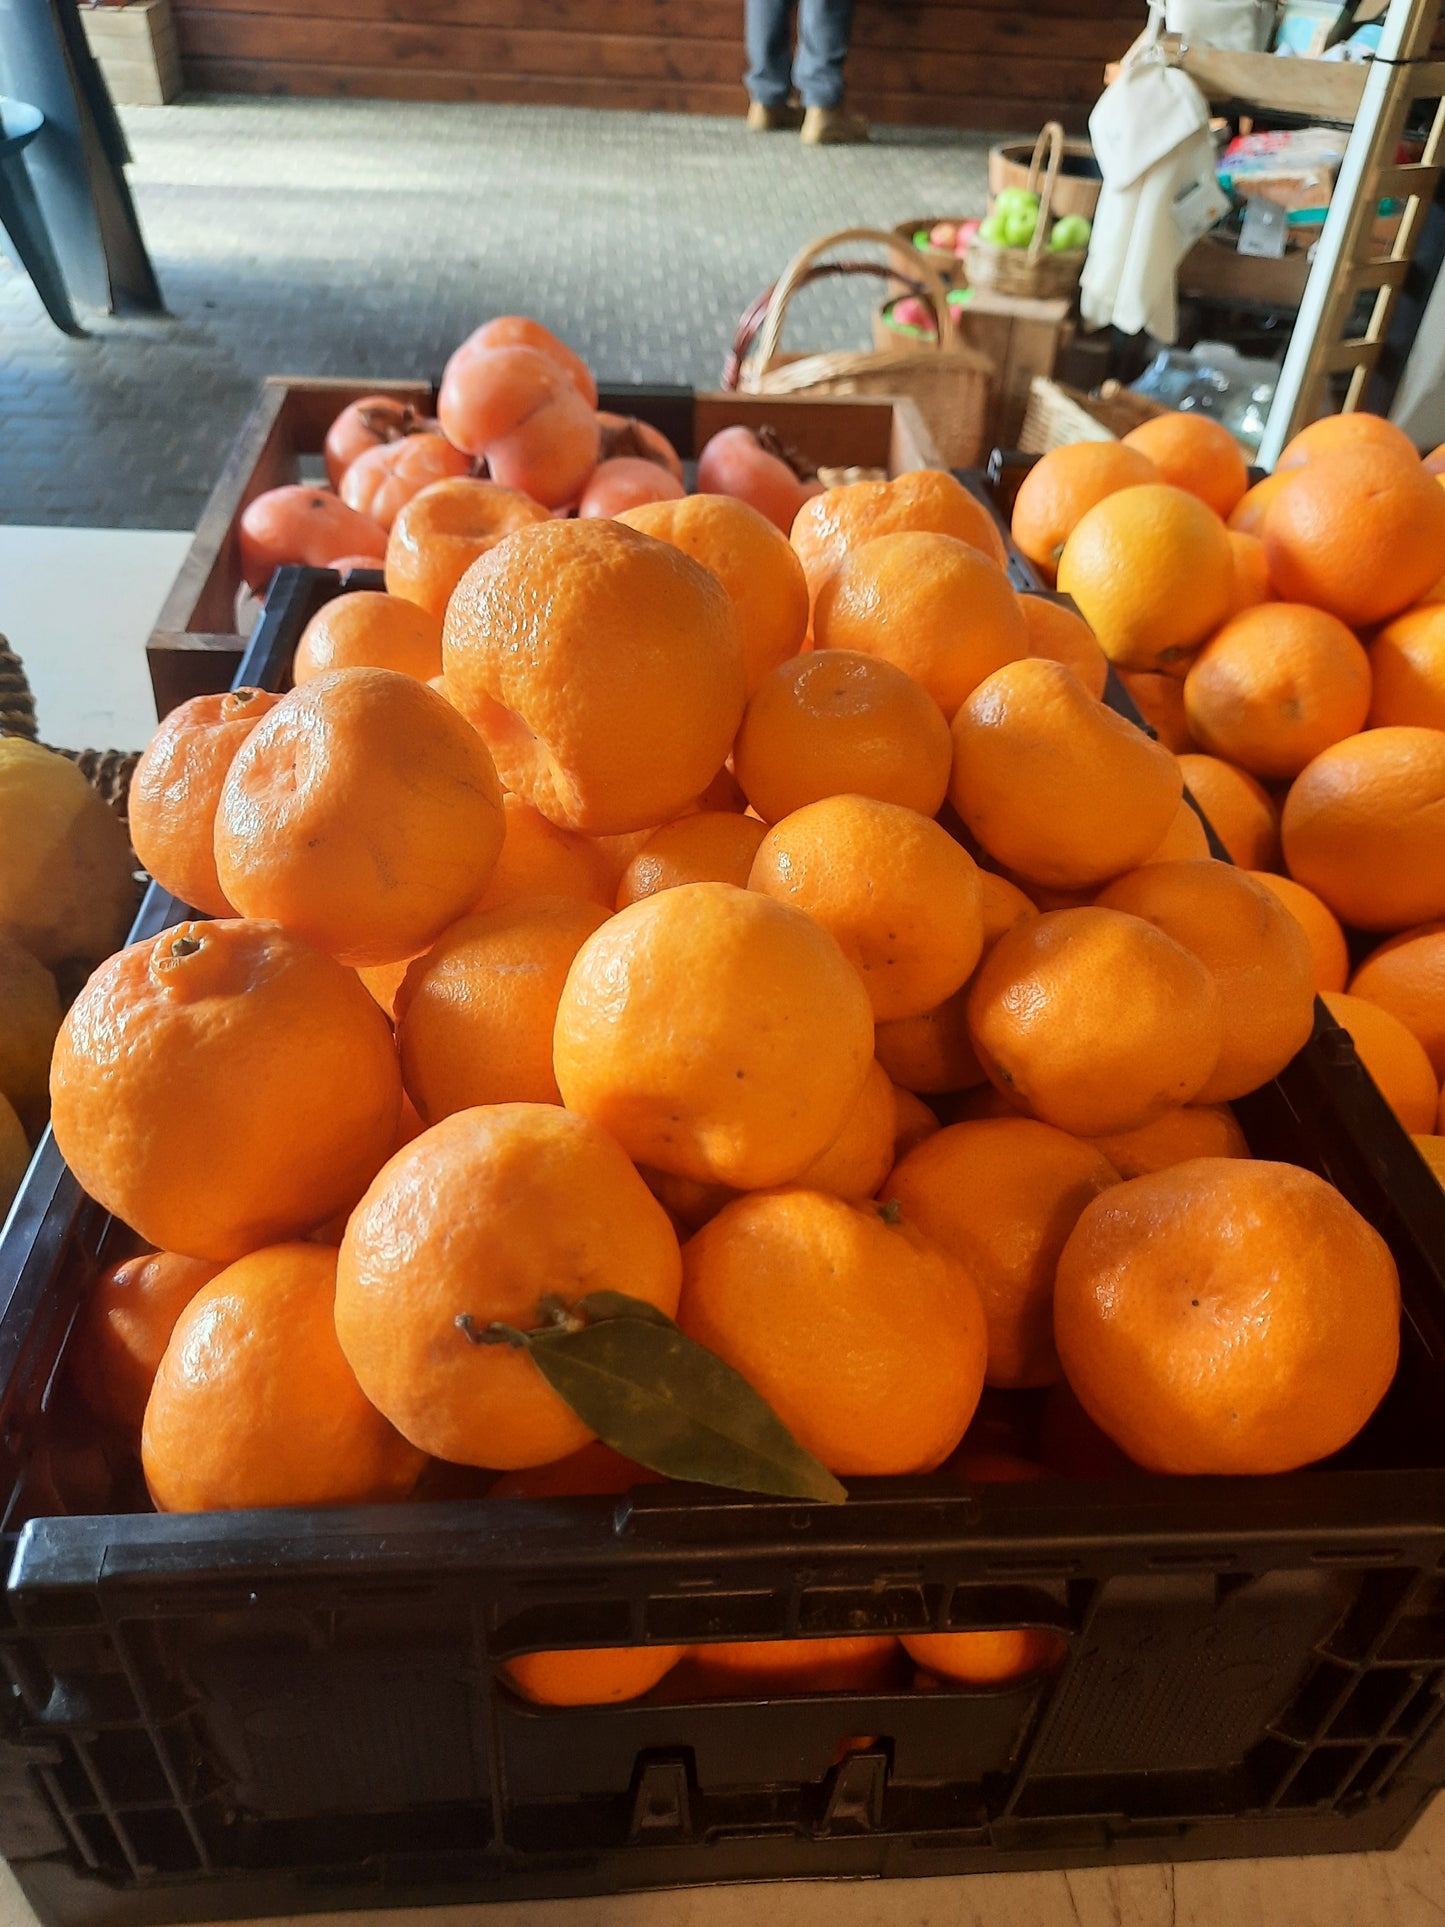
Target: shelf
(1328,90)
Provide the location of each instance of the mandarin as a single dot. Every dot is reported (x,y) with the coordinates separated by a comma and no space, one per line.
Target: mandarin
(1186,840)
(369,630)
(716,1032)
(363,813)
(1193,1131)
(1159,699)
(867,1341)
(124,1327)
(1061,634)
(768,1668)
(1359,533)
(901,897)
(1236,807)
(1254,949)
(753,560)
(1227,1315)
(1406,976)
(1364,828)
(840,723)
(1275,686)
(1095,1020)
(1194,452)
(1331,433)
(1053,784)
(1151,571)
(913,1122)
(603,669)
(177,785)
(862,1154)
(540,860)
(440,533)
(1394,1057)
(235,1034)
(1061,488)
(1407,664)
(829,526)
(478,1221)
(929,603)
(1321,926)
(1252,585)
(1001,1197)
(1247,515)
(474,1016)
(710,846)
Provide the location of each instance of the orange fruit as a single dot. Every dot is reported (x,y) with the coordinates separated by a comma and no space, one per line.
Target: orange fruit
(539,860)
(754,562)
(1159,699)
(1185,840)
(1432,1148)
(867,1341)
(862,1154)
(840,723)
(895,890)
(475,1014)
(933,605)
(442,530)
(29,1019)
(479,1220)
(1228,1315)
(1394,1057)
(1255,950)
(1196,453)
(1001,1197)
(1062,635)
(234,1034)
(612,854)
(124,1328)
(1061,488)
(254,1405)
(1151,571)
(716,1032)
(913,1121)
(1247,515)
(1407,663)
(368,630)
(769,1668)
(603,669)
(1095,1020)
(1053,784)
(383,981)
(1193,1131)
(1251,572)
(1360,533)
(1364,828)
(363,813)
(1406,976)
(934,1052)
(1332,433)
(829,526)
(710,846)
(177,785)
(1275,686)
(1238,810)
(1320,924)
(584,1676)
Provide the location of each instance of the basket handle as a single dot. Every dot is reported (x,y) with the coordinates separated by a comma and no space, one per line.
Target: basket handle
(796,272)
(752,319)
(1052,136)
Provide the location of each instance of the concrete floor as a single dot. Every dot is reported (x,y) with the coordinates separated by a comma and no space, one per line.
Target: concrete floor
(367,237)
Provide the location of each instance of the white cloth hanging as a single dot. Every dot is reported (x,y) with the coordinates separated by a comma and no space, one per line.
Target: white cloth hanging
(1151,138)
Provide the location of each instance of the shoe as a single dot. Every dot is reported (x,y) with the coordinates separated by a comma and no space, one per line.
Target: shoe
(833,127)
(773,120)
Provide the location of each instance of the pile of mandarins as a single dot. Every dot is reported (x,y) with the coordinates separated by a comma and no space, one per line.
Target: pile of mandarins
(781,932)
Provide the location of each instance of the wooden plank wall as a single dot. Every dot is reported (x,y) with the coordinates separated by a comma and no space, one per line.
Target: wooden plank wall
(962,63)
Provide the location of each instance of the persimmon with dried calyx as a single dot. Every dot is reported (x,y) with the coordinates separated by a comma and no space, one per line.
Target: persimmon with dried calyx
(371,422)
(381,481)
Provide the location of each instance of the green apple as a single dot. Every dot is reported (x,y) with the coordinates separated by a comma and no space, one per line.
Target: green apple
(992,231)
(1018,227)
(1073,231)
(1011,200)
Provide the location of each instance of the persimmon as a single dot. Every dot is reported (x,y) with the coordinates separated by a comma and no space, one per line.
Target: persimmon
(371,422)
(627,482)
(520,331)
(551,457)
(382,480)
(734,462)
(522,411)
(626,435)
(305,525)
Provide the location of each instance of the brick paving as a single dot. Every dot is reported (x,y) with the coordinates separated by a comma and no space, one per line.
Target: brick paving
(366,237)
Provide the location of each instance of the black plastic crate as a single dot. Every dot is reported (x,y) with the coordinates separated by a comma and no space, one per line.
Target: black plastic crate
(272,1712)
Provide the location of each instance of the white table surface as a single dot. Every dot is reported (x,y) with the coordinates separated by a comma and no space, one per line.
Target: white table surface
(77,604)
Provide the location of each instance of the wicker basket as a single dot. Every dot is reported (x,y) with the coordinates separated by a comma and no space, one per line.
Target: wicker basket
(108,771)
(905,254)
(1037,272)
(1057,416)
(1078,185)
(950,386)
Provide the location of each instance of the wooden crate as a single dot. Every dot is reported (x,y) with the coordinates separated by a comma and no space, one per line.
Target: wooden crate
(195,647)
(137,49)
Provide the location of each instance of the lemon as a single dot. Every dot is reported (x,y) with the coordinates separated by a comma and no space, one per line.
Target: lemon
(66,888)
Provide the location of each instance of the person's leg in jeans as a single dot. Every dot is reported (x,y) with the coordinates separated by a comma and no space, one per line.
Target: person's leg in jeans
(769,50)
(824,29)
